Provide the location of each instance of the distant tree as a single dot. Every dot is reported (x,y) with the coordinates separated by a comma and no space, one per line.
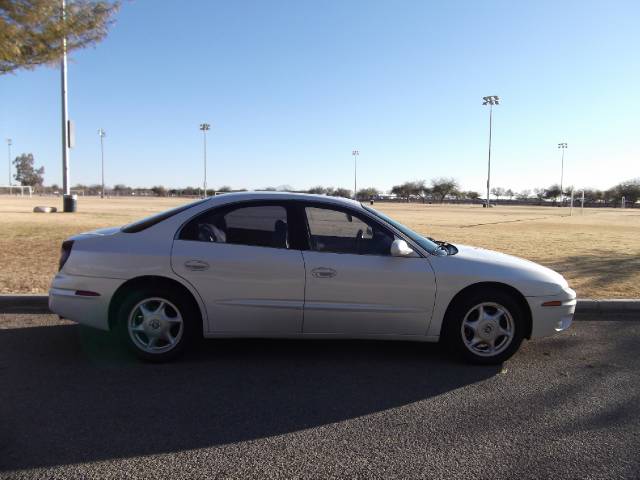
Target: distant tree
(121,189)
(567,191)
(93,189)
(26,174)
(592,195)
(367,193)
(441,187)
(268,189)
(419,189)
(610,195)
(509,193)
(523,195)
(159,191)
(629,189)
(341,192)
(403,191)
(552,192)
(539,193)
(317,190)
(498,192)
(471,195)
(31,31)
(224,189)
(190,191)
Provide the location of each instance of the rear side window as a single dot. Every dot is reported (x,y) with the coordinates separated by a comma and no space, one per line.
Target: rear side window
(258,226)
(154,219)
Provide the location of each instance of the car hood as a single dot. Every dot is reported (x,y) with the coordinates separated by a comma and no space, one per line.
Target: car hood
(481,265)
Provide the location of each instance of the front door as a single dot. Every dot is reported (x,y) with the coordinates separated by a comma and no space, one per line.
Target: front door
(239,260)
(354,286)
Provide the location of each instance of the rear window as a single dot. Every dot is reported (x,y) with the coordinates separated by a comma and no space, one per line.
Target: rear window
(157,218)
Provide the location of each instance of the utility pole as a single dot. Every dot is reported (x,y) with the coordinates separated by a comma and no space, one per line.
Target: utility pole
(101,134)
(490,100)
(205,127)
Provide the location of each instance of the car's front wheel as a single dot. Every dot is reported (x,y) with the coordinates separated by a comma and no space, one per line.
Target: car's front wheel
(156,325)
(485,327)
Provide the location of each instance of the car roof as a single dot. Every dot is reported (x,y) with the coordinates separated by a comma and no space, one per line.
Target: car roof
(231,197)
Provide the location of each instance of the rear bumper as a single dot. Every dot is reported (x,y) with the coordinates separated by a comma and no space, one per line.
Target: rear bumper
(549,320)
(93,311)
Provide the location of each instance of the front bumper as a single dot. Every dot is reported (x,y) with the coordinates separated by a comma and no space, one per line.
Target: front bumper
(549,320)
(93,311)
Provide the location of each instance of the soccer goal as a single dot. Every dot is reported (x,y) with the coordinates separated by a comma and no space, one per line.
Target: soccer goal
(11,189)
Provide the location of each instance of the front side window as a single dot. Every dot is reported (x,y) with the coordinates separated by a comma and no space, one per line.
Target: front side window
(337,231)
(429,245)
(259,226)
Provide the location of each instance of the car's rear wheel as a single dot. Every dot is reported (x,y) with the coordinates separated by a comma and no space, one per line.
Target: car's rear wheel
(485,327)
(156,324)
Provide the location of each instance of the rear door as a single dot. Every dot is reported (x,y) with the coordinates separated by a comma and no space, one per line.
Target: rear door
(354,286)
(240,260)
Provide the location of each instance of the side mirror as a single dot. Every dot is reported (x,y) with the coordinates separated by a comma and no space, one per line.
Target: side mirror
(399,248)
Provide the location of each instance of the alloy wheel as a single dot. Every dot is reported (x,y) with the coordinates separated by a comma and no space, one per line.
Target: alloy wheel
(487,329)
(155,325)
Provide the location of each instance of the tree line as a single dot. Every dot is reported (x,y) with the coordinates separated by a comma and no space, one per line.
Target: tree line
(441,189)
(437,190)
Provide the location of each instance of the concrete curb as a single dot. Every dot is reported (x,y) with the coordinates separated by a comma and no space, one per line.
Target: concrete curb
(24,303)
(35,303)
(612,305)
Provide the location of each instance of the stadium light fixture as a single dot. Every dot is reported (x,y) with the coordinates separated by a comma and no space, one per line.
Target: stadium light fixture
(355,154)
(204,127)
(490,100)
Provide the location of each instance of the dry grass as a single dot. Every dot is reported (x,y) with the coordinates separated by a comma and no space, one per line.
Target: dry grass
(598,252)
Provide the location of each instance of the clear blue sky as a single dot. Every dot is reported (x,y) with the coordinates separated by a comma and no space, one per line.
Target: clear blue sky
(291,87)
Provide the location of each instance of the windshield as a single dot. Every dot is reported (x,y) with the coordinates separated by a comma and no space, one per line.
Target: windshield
(157,218)
(424,242)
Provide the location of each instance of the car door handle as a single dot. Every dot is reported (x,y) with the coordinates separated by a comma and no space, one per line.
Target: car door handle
(323,272)
(196,265)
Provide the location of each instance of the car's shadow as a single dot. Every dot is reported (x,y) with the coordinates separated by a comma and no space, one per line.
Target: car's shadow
(70,395)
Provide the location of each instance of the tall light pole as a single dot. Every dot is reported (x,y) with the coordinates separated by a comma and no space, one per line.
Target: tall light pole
(66,137)
(490,100)
(562,146)
(356,154)
(9,143)
(204,127)
(101,134)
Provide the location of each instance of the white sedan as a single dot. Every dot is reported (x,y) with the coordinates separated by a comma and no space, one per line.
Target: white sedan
(301,266)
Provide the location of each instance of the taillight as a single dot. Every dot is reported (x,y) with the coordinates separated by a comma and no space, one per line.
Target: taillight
(65,251)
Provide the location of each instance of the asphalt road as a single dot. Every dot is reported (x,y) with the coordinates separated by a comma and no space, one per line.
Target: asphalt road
(74,405)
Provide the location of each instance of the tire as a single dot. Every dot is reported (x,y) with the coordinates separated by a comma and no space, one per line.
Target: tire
(157,324)
(485,327)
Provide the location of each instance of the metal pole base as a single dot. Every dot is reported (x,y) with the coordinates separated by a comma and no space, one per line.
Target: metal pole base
(69,203)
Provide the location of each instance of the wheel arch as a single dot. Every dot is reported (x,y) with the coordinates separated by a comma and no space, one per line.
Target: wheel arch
(517,295)
(147,281)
